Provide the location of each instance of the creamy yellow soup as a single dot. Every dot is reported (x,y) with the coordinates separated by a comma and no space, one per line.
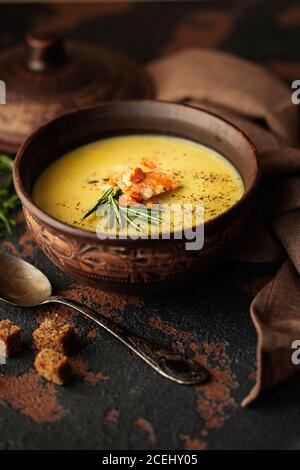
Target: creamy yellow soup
(69,187)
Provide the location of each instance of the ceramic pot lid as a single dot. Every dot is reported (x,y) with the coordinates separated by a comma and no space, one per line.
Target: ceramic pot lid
(45,78)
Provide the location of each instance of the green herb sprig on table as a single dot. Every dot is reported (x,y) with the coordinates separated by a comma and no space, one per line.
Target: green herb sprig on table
(110,200)
(9,201)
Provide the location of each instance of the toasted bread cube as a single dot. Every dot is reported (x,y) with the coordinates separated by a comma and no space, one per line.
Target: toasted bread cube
(53,366)
(10,338)
(54,334)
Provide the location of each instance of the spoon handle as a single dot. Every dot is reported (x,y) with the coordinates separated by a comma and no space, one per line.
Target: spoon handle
(167,363)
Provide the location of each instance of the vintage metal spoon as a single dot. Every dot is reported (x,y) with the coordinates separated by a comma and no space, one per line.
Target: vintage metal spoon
(23,285)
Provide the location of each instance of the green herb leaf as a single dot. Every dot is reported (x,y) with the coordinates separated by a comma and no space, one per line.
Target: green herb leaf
(102,200)
(9,201)
(6,162)
(115,205)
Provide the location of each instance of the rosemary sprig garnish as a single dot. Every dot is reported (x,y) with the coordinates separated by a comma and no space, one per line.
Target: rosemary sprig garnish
(143,214)
(110,199)
(129,219)
(8,199)
(102,200)
(115,205)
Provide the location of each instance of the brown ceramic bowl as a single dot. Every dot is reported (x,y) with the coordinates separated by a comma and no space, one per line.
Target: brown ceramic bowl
(132,265)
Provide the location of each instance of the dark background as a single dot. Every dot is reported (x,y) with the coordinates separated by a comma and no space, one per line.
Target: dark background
(116,401)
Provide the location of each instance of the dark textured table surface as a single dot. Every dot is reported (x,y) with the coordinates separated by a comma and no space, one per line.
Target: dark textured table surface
(115,401)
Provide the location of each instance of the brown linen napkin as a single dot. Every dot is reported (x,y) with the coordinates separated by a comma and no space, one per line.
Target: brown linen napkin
(239,91)
(224,80)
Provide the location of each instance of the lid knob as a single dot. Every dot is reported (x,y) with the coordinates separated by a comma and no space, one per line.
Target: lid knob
(45,51)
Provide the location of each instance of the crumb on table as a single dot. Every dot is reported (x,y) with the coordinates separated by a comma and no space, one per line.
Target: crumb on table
(54,334)
(10,338)
(53,366)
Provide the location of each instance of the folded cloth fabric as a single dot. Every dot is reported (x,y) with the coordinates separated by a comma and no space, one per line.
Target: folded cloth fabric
(225,80)
(241,91)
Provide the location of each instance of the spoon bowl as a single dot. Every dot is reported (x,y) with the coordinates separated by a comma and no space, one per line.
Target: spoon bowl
(21,283)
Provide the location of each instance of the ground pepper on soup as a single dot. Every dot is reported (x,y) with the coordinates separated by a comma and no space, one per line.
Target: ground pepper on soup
(140,173)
